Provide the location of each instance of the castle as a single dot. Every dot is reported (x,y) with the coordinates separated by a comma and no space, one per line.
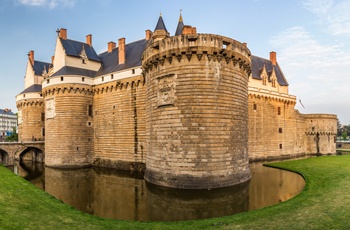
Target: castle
(190,109)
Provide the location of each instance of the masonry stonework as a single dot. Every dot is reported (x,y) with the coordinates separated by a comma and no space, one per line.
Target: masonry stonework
(197,94)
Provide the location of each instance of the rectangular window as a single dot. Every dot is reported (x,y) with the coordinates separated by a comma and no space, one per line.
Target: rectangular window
(103,78)
(61,78)
(43,132)
(280,130)
(112,76)
(83,79)
(48,81)
(280,146)
(133,71)
(90,111)
(255,106)
(279,110)
(42,116)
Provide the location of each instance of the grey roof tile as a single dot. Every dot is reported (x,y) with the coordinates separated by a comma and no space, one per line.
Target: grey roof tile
(8,112)
(257,65)
(39,67)
(36,88)
(74,48)
(110,61)
(68,70)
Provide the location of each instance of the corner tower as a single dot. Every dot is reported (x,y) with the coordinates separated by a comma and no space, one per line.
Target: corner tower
(196,110)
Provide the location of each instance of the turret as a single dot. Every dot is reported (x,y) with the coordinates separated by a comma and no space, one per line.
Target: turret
(196,106)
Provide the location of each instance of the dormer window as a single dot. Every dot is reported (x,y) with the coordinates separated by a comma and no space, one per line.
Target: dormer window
(264,80)
(273,82)
(83,55)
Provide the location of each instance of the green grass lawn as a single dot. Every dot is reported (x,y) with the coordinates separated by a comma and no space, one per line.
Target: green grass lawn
(324,204)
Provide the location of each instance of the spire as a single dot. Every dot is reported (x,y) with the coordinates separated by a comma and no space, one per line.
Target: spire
(180,25)
(160,24)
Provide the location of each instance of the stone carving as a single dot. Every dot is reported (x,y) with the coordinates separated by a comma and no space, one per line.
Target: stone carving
(166,90)
(50,108)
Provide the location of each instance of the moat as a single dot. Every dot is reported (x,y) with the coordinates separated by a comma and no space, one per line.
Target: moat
(124,195)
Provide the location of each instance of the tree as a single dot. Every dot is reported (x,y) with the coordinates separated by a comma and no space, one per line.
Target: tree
(13,136)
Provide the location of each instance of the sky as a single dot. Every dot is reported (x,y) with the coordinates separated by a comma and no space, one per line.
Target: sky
(311,37)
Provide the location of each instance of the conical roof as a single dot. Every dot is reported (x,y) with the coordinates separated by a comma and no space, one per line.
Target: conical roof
(160,24)
(180,26)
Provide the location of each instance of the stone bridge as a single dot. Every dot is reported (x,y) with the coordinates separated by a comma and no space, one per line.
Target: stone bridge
(11,151)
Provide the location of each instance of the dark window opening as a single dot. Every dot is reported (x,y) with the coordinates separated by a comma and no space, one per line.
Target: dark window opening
(42,116)
(61,78)
(112,76)
(103,78)
(90,113)
(133,71)
(280,146)
(83,79)
(279,110)
(255,106)
(280,130)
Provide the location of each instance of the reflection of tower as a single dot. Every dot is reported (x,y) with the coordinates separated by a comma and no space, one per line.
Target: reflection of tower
(196,107)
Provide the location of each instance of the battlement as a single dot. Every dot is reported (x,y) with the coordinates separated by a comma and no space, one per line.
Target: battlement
(210,45)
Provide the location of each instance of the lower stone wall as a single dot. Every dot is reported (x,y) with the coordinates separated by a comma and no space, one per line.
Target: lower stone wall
(119,124)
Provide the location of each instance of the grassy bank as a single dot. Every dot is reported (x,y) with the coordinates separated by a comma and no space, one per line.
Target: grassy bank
(324,204)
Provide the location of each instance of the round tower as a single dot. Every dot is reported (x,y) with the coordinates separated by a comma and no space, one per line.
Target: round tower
(31,120)
(69,113)
(196,110)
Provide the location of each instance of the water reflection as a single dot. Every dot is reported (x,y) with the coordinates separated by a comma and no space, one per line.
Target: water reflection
(125,195)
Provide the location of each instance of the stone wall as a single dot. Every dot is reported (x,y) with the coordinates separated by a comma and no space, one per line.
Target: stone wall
(321,131)
(119,124)
(196,111)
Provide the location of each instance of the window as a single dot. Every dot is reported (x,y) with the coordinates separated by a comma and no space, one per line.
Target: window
(112,76)
(48,81)
(83,79)
(280,130)
(255,106)
(61,78)
(90,111)
(273,83)
(42,116)
(133,71)
(264,80)
(103,78)
(279,111)
(43,132)
(280,146)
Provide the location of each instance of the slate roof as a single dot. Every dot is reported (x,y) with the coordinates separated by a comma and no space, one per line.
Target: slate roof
(110,61)
(160,24)
(258,64)
(74,48)
(68,70)
(39,67)
(9,112)
(36,88)
(179,27)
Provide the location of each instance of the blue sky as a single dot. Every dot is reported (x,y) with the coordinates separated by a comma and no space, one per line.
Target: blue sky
(311,37)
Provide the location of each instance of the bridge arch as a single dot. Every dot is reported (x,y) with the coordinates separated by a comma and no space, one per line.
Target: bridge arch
(3,157)
(30,153)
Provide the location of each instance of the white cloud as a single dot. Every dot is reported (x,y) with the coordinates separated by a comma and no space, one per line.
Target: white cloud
(333,16)
(51,4)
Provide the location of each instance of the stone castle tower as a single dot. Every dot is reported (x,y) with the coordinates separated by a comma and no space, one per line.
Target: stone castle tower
(196,109)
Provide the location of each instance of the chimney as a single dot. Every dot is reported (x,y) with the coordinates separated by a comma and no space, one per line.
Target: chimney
(52,59)
(89,39)
(111,46)
(121,50)
(31,57)
(189,30)
(273,57)
(148,34)
(63,34)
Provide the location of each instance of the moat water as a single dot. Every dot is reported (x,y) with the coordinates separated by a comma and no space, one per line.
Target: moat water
(127,196)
